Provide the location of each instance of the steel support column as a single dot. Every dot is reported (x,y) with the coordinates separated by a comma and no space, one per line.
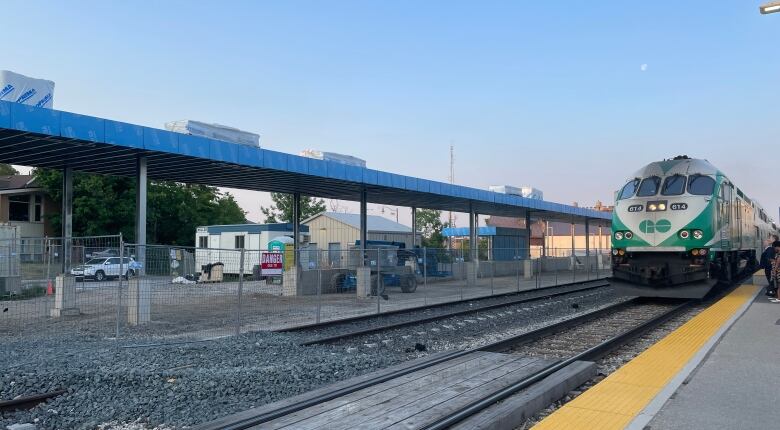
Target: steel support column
(414,227)
(363,223)
(140,211)
(473,236)
(67,217)
(528,231)
(296,222)
(587,237)
(572,237)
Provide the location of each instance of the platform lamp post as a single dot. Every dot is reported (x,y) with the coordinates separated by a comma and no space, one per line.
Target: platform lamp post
(770,7)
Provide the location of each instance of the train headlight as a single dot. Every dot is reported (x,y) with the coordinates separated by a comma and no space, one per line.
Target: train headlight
(619,235)
(684,234)
(695,252)
(628,235)
(702,252)
(698,234)
(614,252)
(621,252)
(652,207)
(661,206)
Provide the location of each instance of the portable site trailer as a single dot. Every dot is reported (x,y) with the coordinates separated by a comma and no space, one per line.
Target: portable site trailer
(223,243)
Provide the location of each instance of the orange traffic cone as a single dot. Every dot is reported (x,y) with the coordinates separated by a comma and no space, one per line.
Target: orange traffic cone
(49,288)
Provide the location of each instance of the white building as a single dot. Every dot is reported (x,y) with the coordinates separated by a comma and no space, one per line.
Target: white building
(222,243)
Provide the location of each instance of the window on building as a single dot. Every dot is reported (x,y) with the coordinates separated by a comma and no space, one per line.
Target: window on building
(239,242)
(38,208)
(203,242)
(19,208)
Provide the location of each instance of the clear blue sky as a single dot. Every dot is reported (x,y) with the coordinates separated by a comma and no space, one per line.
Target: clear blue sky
(549,94)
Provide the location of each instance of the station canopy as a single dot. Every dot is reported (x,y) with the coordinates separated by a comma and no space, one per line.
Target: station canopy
(54,139)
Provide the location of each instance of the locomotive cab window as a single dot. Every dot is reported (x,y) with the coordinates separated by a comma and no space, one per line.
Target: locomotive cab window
(701,185)
(629,189)
(649,186)
(673,185)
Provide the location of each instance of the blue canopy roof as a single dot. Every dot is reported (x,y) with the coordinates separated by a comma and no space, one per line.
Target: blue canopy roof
(50,138)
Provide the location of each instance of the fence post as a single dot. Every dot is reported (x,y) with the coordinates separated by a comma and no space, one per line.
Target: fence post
(240,291)
(319,284)
(119,287)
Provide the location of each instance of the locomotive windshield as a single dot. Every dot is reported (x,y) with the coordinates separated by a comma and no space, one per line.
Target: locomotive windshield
(673,185)
(701,185)
(629,189)
(649,186)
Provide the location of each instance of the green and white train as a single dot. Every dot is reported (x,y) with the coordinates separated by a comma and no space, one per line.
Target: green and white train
(681,225)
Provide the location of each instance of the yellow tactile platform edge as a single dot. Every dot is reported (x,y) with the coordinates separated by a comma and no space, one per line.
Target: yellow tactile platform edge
(614,402)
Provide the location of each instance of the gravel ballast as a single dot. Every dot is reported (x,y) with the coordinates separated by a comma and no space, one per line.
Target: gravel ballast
(114,384)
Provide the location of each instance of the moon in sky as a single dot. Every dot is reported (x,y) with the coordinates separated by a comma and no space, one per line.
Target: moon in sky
(643,67)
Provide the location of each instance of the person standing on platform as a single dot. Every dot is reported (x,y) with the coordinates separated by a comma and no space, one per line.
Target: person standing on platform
(766,262)
(775,276)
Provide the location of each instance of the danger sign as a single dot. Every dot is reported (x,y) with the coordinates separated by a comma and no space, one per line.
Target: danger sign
(271,263)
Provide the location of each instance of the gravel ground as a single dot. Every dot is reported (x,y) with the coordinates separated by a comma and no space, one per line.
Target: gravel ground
(617,359)
(115,386)
(175,385)
(382,320)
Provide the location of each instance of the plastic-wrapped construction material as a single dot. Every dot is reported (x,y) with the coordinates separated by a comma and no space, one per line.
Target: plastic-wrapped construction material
(214,131)
(332,156)
(26,90)
(528,192)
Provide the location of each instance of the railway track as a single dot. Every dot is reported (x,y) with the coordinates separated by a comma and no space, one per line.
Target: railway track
(28,402)
(607,328)
(586,340)
(351,330)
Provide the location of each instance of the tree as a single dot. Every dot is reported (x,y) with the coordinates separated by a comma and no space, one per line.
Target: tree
(7,170)
(429,223)
(104,205)
(282,209)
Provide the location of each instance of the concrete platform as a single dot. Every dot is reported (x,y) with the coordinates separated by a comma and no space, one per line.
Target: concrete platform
(716,371)
(738,384)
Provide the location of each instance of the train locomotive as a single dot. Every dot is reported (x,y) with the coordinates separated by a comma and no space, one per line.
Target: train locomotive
(681,225)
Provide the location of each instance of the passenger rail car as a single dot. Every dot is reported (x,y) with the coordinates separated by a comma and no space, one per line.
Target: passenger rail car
(681,225)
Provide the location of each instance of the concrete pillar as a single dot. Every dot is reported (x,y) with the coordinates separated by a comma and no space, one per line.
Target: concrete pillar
(67,219)
(527,269)
(290,281)
(65,297)
(363,288)
(139,306)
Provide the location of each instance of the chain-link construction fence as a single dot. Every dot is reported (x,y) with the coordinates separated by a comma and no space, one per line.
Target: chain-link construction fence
(104,287)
